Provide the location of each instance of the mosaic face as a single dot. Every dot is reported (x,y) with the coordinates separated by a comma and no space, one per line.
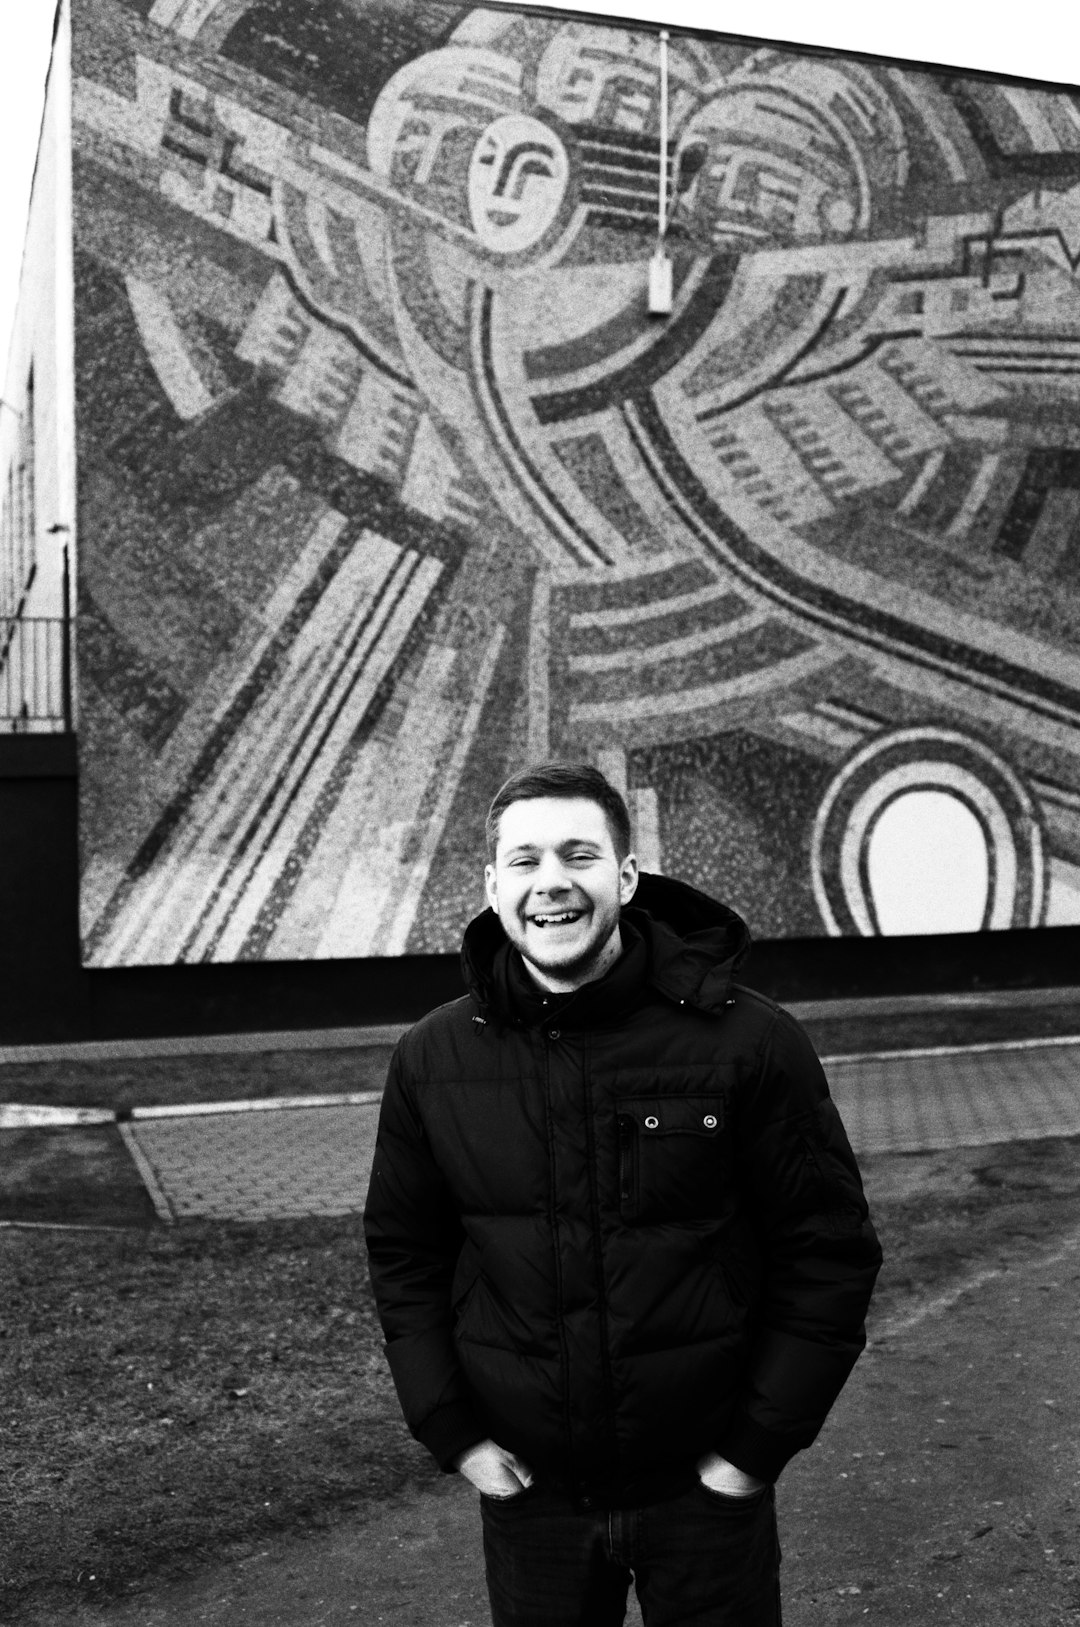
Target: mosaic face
(389,482)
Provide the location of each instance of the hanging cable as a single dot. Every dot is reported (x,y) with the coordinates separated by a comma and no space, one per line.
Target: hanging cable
(663,188)
(660,276)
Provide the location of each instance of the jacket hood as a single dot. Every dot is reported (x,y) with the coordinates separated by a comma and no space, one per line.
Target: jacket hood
(694,946)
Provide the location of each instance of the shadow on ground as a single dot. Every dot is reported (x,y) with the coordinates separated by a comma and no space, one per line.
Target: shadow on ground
(81,1175)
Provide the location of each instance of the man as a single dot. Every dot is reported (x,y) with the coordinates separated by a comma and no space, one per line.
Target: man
(616,1232)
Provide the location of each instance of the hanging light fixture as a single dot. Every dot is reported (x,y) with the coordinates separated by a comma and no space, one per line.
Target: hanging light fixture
(660,269)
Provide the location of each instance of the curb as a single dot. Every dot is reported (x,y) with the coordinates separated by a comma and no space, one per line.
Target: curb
(148,1175)
(24,1116)
(21,1116)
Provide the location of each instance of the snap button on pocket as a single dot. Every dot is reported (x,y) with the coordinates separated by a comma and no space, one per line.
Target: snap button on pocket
(553,1033)
(652,1122)
(709,1121)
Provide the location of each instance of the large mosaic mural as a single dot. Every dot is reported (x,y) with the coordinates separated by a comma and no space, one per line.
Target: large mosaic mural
(389,482)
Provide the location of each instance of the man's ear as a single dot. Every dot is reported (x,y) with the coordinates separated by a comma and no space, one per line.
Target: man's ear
(628,878)
(491,888)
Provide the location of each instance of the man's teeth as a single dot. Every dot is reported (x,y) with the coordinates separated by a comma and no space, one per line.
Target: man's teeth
(556,920)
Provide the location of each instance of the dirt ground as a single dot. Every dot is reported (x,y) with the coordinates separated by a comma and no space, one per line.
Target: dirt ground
(944,1487)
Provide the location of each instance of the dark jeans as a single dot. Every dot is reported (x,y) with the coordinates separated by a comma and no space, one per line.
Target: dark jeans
(697,1560)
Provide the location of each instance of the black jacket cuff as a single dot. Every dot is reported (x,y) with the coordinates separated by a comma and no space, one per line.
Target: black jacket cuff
(754,1450)
(449,1431)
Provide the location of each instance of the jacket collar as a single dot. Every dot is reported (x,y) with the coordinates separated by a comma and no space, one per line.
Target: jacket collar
(677,941)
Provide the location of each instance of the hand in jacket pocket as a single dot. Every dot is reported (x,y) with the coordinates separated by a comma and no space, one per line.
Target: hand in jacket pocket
(720,1475)
(493,1470)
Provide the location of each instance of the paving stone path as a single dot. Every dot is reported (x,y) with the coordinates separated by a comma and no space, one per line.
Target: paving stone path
(272,1165)
(284,1162)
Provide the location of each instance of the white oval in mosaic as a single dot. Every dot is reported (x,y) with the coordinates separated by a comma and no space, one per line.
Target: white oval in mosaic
(928,865)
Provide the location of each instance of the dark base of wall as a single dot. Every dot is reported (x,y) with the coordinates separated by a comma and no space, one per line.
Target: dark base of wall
(46,995)
(843,968)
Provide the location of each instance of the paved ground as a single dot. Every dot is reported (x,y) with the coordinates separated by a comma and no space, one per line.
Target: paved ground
(276,1164)
(916,1101)
(249,1164)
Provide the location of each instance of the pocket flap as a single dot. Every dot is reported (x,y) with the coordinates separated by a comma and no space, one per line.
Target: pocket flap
(674,1115)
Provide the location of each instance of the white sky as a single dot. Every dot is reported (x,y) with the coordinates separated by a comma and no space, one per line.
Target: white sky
(968,33)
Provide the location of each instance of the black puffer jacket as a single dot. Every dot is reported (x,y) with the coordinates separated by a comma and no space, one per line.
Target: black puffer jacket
(618,1229)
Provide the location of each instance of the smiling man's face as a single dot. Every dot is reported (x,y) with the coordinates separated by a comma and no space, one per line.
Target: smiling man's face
(557,885)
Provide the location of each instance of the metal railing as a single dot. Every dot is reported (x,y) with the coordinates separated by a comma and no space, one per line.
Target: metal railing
(35,675)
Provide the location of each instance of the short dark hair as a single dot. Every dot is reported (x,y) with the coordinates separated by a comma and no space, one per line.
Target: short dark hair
(566,780)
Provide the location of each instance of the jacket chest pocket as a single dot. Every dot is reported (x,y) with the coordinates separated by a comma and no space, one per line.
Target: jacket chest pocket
(671,1157)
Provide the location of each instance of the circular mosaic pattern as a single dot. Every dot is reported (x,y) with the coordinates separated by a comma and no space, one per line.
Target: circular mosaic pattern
(906,762)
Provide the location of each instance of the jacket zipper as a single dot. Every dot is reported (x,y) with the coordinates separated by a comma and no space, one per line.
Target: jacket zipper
(607,1377)
(626,1159)
(560,1292)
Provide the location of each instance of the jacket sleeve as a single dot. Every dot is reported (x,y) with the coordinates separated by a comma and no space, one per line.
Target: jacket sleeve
(820,1254)
(414,1236)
